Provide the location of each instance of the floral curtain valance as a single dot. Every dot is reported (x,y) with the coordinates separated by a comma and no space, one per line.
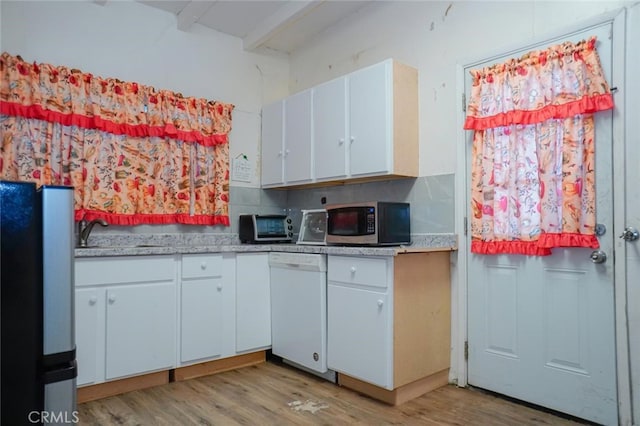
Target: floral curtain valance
(133,154)
(73,98)
(533,156)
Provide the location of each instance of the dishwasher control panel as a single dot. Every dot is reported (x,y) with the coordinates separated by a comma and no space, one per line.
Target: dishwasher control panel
(305,261)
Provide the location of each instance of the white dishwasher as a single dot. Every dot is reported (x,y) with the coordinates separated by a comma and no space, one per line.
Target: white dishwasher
(299,310)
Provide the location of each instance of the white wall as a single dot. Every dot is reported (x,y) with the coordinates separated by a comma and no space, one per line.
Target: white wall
(433,37)
(134,42)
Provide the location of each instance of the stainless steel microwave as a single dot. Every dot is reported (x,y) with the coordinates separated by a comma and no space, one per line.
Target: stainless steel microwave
(370,223)
(273,228)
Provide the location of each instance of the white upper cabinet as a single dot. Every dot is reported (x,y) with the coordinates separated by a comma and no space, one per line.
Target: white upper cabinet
(297,138)
(286,141)
(370,123)
(363,126)
(273,144)
(330,129)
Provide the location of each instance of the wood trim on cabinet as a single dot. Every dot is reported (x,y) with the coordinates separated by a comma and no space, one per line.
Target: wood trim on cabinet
(405,120)
(399,395)
(218,366)
(422,316)
(116,387)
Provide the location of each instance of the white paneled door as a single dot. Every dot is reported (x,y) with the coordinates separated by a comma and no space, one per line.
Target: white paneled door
(541,329)
(632,197)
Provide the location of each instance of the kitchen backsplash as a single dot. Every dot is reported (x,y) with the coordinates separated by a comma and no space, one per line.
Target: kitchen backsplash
(431,198)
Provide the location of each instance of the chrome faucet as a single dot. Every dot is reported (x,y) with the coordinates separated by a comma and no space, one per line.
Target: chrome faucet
(85,230)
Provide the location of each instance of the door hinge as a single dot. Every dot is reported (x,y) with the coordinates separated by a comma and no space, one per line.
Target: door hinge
(464,102)
(466,350)
(466,226)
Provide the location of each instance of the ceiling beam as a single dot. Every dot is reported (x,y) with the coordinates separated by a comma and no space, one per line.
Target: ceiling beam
(282,17)
(192,12)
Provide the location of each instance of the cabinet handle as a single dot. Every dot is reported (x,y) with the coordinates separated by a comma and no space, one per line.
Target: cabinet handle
(203,265)
(380,303)
(341,141)
(352,139)
(93,300)
(353,269)
(286,152)
(112,299)
(279,153)
(219,287)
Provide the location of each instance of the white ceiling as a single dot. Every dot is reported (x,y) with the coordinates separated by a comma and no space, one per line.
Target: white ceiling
(279,25)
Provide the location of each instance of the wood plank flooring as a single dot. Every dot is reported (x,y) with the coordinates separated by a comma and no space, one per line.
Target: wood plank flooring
(276,394)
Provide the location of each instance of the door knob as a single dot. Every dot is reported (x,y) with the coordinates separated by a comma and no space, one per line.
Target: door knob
(630,234)
(598,256)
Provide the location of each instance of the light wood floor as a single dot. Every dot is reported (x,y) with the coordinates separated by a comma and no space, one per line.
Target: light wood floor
(276,394)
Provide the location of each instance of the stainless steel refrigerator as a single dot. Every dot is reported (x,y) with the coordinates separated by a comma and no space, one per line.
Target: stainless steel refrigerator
(38,357)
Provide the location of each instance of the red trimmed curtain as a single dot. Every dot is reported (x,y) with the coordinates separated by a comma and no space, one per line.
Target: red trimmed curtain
(533,155)
(133,154)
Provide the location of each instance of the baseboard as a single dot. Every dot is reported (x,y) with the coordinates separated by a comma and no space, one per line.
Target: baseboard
(116,387)
(399,395)
(217,366)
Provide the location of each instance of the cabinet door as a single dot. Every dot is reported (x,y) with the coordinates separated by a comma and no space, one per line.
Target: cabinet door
(330,129)
(297,138)
(141,328)
(89,304)
(359,348)
(201,322)
(253,302)
(370,127)
(272,144)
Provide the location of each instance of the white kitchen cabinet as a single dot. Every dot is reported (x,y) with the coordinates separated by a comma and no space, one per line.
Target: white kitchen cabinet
(366,124)
(89,342)
(297,139)
(141,328)
(359,334)
(131,327)
(272,164)
(286,141)
(359,318)
(330,132)
(207,296)
(389,323)
(253,302)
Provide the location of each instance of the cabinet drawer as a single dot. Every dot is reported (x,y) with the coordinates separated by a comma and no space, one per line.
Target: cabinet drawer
(367,271)
(118,270)
(201,265)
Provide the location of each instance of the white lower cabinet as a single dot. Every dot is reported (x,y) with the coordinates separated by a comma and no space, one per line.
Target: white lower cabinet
(207,311)
(389,323)
(89,306)
(125,316)
(358,333)
(359,318)
(253,302)
(141,328)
